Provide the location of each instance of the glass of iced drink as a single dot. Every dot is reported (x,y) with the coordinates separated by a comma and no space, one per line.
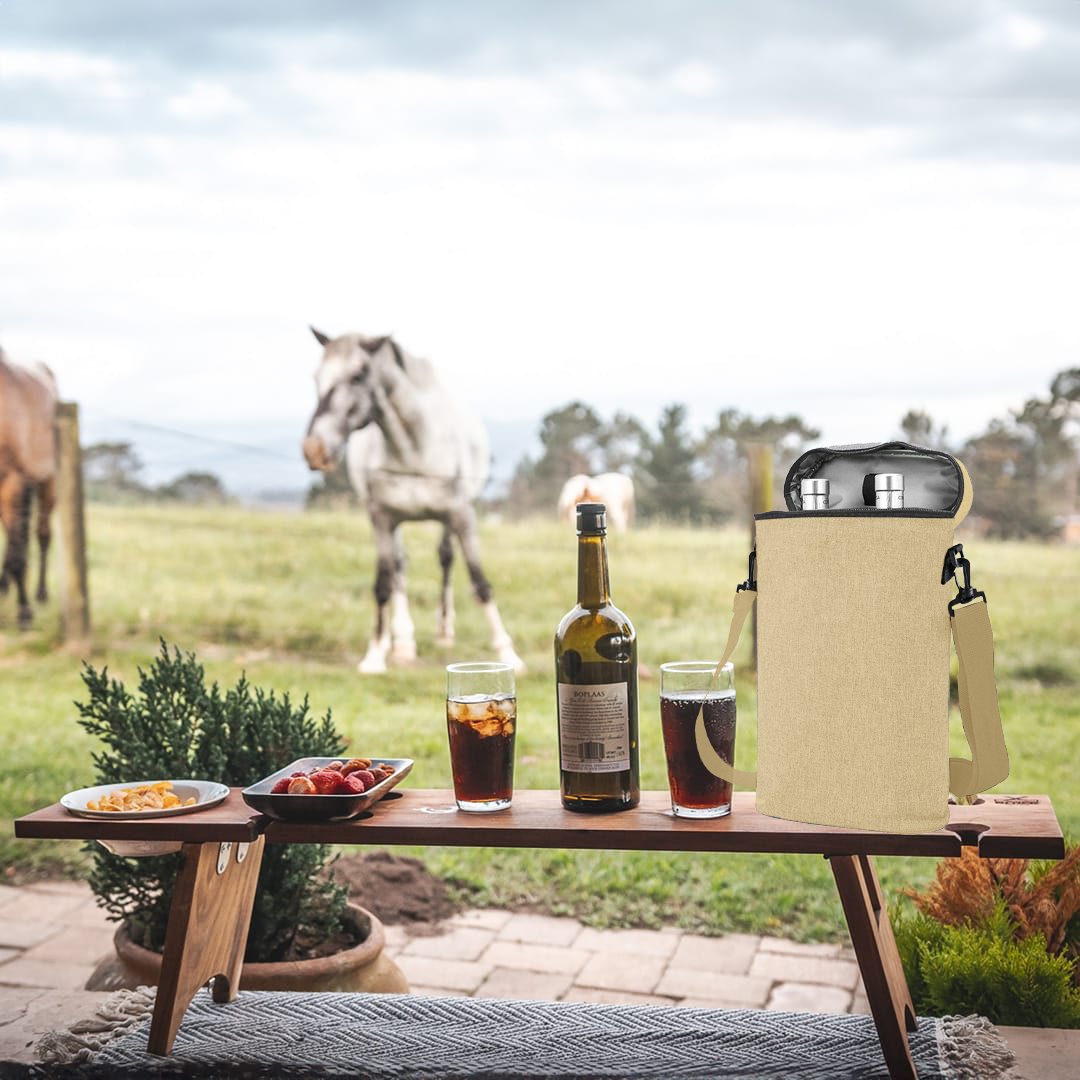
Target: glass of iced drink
(687,688)
(481,714)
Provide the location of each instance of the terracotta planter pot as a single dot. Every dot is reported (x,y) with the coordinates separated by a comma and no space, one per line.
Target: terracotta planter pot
(364,967)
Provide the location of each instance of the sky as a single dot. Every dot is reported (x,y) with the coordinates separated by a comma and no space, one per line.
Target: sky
(837,208)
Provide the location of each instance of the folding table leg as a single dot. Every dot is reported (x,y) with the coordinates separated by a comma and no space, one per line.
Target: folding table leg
(207,931)
(875,947)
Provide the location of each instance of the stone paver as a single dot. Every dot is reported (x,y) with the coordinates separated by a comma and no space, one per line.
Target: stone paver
(808,997)
(25,933)
(25,1015)
(435,991)
(42,907)
(89,914)
(524,985)
(731,953)
(52,934)
(621,971)
(458,943)
(514,954)
(638,942)
(741,991)
(48,974)
(796,948)
(540,930)
(810,969)
(613,997)
(75,945)
(428,971)
(482,918)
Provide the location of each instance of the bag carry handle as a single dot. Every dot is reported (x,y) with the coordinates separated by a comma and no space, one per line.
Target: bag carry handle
(979,711)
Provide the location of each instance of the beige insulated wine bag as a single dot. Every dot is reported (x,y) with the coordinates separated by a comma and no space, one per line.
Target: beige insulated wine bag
(854,618)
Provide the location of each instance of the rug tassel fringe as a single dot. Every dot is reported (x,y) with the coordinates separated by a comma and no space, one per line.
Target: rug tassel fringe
(115,1016)
(973,1049)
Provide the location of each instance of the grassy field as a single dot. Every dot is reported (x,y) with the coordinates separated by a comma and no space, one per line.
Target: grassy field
(287,597)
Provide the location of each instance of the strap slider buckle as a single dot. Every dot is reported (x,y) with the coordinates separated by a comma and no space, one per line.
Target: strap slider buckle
(751,579)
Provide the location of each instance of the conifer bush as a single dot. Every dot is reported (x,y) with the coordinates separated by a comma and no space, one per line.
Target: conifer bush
(983,968)
(175,726)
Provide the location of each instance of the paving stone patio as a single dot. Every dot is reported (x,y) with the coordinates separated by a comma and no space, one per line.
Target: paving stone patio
(52,934)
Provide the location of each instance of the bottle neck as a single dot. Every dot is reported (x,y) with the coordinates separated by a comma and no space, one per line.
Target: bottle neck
(593,588)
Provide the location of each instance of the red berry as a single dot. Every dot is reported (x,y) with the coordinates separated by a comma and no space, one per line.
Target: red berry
(327,781)
(355,784)
(282,786)
(367,776)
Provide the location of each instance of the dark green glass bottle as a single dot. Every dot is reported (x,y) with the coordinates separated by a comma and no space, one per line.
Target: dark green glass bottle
(596,683)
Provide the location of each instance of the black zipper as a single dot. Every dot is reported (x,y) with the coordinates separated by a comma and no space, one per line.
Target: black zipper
(856,511)
(925,451)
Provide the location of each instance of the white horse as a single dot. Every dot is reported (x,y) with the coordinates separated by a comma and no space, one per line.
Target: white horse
(614,490)
(412,455)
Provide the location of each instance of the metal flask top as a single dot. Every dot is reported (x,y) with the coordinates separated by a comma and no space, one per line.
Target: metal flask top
(889,491)
(814,493)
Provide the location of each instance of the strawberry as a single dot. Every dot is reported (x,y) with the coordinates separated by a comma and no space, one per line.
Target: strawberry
(366,776)
(354,784)
(302,785)
(282,786)
(327,781)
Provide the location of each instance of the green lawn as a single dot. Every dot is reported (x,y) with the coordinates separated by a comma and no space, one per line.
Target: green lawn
(287,597)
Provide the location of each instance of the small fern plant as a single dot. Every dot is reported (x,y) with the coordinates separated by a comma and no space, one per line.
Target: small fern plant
(174,725)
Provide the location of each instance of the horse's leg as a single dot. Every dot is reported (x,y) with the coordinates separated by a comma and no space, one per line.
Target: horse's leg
(445,636)
(15,495)
(402,630)
(46,502)
(374,661)
(465,527)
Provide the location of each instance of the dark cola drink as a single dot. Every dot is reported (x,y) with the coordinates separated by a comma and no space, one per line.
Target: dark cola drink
(695,791)
(481,730)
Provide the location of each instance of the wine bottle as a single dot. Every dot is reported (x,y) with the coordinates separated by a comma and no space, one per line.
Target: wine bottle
(596,680)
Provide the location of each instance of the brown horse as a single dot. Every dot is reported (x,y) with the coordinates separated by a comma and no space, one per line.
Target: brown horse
(27,468)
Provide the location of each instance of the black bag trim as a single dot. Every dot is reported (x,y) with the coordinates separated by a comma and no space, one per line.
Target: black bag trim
(855,511)
(810,462)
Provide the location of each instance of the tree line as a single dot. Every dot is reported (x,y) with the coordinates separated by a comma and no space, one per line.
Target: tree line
(1025,466)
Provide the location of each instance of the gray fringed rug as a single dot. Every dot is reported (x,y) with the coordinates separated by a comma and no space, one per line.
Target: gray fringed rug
(394,1037)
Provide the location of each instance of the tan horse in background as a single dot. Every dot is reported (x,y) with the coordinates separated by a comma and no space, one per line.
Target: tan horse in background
(28,399)
(614,490)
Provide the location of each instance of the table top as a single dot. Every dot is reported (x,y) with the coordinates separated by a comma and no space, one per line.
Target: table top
(1001,826)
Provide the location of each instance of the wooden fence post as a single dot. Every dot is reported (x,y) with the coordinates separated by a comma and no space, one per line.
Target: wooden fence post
(75,603)
(759,456)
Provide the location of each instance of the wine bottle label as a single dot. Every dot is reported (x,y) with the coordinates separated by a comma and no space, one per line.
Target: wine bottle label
(594,727)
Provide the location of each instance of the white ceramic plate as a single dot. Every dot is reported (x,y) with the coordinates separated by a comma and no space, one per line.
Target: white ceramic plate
(206,794)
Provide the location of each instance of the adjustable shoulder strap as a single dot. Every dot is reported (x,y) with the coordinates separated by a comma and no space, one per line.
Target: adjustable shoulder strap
(989,763)
(974,638)
(744,601)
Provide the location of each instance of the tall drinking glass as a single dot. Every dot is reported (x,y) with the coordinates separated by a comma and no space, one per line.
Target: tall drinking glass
(481,715)
(684,691)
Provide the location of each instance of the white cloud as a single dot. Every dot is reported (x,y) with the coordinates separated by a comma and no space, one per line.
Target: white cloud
(205,100)
(1024,32)
(539,236)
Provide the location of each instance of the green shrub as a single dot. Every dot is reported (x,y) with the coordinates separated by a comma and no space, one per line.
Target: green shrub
(983,969)
(176,726)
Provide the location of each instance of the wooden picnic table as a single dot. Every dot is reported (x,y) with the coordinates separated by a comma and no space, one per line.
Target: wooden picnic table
(222,850)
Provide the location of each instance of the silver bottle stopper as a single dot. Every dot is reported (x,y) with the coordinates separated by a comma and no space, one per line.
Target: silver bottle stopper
(815,494)
(889,491)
